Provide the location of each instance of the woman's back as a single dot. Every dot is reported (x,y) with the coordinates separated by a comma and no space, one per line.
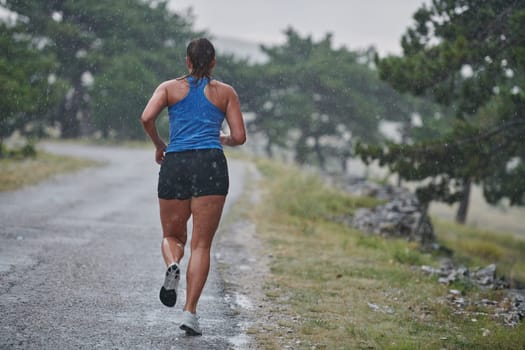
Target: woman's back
(195,121)
(216,92)
(200,61)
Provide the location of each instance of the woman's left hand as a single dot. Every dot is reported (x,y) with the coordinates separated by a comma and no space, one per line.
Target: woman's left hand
(224,139)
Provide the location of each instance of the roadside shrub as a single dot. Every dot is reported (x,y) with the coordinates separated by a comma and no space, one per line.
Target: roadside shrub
(26,151)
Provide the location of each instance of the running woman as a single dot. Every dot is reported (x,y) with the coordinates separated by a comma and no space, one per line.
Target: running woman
(193,177)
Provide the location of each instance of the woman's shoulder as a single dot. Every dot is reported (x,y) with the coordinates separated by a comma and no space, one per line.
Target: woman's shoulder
(176,89)
(223,87)
(181,81)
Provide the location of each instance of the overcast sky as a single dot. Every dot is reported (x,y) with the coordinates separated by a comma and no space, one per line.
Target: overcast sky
(353,23)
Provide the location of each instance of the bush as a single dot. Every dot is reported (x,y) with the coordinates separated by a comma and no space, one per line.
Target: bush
(304,195)
(27,150)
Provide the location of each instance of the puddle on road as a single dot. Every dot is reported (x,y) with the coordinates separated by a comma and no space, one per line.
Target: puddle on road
(238,300)
(240,341)
(243,301)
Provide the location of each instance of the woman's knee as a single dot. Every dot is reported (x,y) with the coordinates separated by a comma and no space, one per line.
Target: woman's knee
(171,239)
(176,230)
(201,241)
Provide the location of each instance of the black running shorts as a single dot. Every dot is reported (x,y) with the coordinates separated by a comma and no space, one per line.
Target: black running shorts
(193,173)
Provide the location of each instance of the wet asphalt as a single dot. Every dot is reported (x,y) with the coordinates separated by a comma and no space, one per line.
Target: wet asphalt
(81,268)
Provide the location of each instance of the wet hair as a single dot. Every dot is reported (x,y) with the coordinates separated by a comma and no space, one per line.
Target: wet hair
(201,54)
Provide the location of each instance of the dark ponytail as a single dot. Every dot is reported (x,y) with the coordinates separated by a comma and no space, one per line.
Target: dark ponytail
(201,54)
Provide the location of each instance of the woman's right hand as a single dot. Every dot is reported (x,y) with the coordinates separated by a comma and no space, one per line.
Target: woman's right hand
(159,153)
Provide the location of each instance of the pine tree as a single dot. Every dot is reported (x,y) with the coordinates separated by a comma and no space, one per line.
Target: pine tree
(90,40)
(467,55)
(317,100)
(28,88)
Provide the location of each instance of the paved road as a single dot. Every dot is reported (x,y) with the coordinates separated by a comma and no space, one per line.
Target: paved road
(80,263)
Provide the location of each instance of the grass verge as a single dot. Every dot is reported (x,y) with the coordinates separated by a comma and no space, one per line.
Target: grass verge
(15,174)
(473,246)
(332,287)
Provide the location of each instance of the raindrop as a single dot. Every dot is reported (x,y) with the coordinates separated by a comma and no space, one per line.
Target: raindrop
(57,16)
(416,120)
(512,164)
(509,73)
(87,79)
(466,71)
(51,79)
(460,10)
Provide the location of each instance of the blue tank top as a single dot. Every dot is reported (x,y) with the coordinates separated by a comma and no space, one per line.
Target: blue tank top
(194,121)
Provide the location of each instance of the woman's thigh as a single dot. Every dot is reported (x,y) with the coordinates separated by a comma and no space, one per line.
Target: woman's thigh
(206,211)
(174,215)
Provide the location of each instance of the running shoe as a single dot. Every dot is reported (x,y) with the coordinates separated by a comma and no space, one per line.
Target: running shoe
(190,324)
(168,292)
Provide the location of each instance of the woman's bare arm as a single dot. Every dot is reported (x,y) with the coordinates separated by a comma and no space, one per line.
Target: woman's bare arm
(152,110)
(235,120)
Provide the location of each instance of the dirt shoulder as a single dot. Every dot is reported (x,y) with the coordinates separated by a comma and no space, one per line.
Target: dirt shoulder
(244,260)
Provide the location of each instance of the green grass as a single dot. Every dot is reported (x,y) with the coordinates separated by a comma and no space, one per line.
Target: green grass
(15,174)
(330,278)
(307,197)
(478,247)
